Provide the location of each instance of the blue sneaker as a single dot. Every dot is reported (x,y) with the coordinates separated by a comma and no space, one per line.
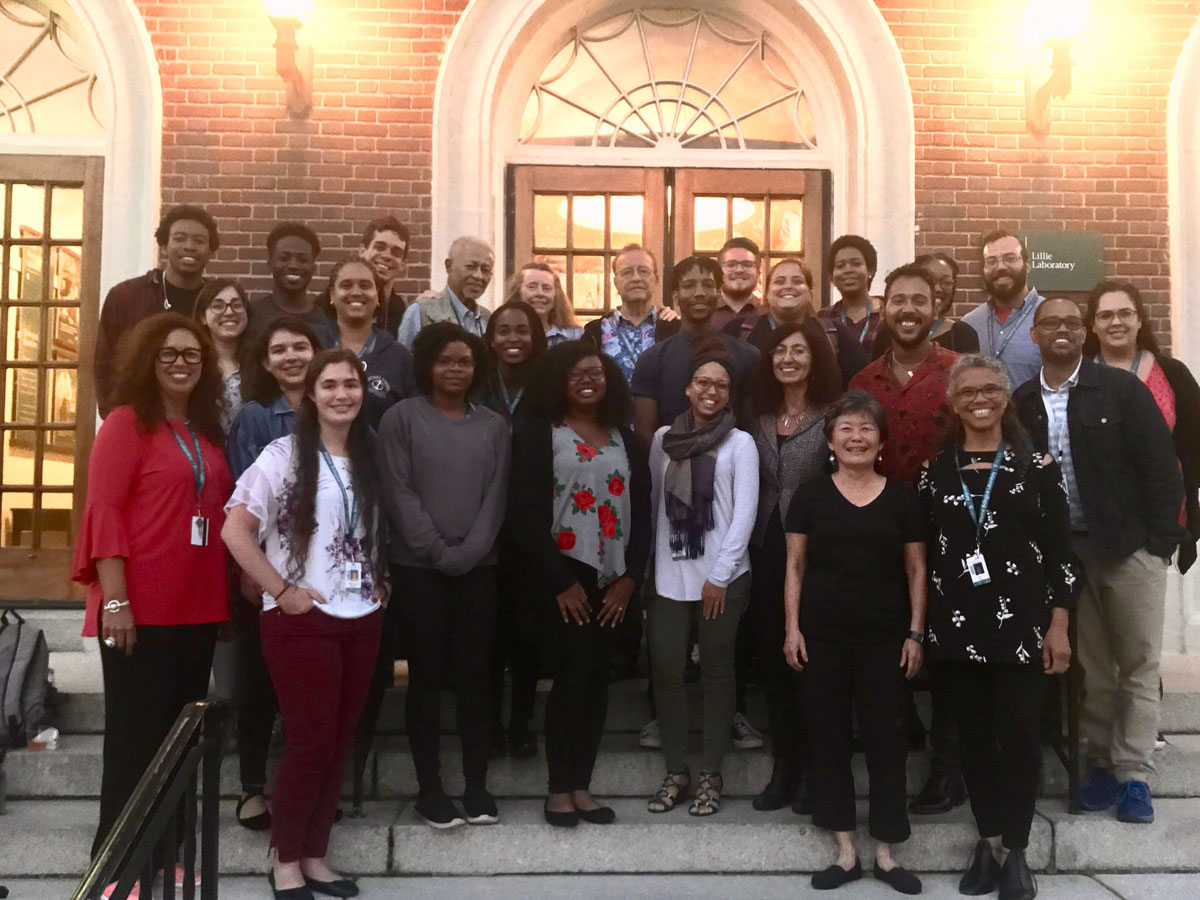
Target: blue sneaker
(1134,805)
(1099,791)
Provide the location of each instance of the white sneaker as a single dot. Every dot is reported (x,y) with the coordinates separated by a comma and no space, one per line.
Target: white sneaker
(1160,742)
(745,735)
(649,738)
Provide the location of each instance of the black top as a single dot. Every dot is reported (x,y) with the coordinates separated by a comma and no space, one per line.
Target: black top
(387,364)
(1128,475)
(757,329)
(662,372)
(182,299)
(1187,447)
(1027,547)
(855,587)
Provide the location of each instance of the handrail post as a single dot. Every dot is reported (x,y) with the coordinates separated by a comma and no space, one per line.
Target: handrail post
(210,803)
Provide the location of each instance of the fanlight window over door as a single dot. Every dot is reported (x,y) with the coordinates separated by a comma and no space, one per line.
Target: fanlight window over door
(669,77)
(48,82)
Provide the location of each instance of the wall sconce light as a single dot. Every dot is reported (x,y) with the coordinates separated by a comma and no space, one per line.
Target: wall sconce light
(292,62)
(1050,25)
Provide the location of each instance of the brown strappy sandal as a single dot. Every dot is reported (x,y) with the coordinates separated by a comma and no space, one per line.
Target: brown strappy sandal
(668,795)
(708,794)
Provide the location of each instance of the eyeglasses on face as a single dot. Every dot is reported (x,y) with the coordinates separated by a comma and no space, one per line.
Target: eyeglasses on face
(590,376)
(234,306)
(1008,259)
(733,265)
(704,385)
(987,392)
(630,271)
(1054,323)
(168,355)
(1108,316)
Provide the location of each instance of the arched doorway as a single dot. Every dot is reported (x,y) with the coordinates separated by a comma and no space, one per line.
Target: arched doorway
(836,60)
(78,199)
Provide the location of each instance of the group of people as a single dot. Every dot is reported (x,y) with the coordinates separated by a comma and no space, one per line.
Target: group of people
(850,496)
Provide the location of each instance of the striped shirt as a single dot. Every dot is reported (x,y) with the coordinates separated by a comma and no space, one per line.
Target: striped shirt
(1059,440)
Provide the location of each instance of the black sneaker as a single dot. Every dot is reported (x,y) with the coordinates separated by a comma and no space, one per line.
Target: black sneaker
(480,807)
(438,811)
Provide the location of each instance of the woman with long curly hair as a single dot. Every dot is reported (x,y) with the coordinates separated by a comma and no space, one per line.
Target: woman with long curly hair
(148,549)
(303,524)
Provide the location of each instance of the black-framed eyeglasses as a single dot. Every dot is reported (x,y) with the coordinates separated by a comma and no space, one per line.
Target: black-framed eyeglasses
(1054,323)
(234,306)
(168,355)
(1107,316)
(987,392)
(590,376)
(704,385)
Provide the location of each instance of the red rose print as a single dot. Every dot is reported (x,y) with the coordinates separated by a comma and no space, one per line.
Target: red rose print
(608,520)
(585,451)
(616,486)
(585,499)
(566,539)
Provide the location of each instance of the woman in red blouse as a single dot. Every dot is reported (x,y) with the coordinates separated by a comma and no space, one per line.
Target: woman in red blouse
(149,548)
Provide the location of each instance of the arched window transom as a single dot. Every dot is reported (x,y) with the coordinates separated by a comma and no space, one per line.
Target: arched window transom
(669,77)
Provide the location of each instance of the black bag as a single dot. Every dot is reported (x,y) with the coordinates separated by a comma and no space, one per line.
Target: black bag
(25,691)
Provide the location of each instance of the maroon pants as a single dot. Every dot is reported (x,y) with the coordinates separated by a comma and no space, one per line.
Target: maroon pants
(321,667)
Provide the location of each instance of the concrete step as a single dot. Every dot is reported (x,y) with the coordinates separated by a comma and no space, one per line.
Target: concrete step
(622,770)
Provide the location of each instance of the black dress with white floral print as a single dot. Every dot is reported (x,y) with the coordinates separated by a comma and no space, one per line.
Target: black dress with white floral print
(1025,542)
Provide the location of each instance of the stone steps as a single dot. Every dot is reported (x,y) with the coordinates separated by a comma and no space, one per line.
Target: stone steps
(51,837)
(622,770)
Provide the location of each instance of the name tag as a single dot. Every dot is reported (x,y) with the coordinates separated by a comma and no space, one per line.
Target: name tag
(199,531)
(976,567)
(352,577)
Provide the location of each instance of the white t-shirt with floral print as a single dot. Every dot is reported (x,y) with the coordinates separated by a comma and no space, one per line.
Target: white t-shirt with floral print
(266,488)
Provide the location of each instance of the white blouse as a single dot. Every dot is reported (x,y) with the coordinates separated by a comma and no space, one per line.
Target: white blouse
(735,506)
(265,489)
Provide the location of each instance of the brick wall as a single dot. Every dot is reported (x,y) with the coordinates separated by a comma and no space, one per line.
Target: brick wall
(367,145)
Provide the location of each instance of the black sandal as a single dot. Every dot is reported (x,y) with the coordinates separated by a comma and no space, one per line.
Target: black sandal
(259,822)
(668,795)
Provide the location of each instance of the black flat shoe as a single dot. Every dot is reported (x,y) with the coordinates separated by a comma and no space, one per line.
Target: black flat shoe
(1016,878)
(941,793)
(339,887)
(899,879)
(983,874)
(561,819)
(258,822)
(835,876)
(780,790)
(296,893)
(601,815)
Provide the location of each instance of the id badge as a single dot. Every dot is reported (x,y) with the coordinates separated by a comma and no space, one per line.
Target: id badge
(976,567)
(199,531)
(352,576)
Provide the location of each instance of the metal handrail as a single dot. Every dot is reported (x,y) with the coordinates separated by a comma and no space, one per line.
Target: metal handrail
(146,835)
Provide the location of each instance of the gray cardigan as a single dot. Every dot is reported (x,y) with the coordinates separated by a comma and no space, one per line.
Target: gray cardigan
(444,484)
(783,469)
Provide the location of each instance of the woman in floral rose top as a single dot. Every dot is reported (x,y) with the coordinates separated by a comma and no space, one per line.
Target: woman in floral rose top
(579,509)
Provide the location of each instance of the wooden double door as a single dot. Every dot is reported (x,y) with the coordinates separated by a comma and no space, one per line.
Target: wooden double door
(577,218)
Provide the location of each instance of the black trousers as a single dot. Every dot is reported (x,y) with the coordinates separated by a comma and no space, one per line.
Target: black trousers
(998,707)
(513,650)
(578,702)
(256,707)
(781,683)
(450,623)
(143,695)
(841,679)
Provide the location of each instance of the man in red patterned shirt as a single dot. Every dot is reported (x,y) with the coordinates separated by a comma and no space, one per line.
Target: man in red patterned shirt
(910,378)
(910,381)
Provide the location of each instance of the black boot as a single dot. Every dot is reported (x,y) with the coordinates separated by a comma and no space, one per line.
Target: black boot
(779,790)
(982,874)
(940,794)
(1016,878)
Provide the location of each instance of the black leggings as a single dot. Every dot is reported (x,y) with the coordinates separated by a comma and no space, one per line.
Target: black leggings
(840,679)
(256,707)
(578,702)
(998,707)
(450,626)
(513,650)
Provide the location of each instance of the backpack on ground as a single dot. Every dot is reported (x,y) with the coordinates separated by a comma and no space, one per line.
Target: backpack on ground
(24,680)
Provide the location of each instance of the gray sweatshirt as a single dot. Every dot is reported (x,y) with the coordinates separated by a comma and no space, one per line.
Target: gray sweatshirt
(444,485)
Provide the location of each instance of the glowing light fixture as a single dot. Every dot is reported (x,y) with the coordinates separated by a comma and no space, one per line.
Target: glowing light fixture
(292,63)
(1049,25)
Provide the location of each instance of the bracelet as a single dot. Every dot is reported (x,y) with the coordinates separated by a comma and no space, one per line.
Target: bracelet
(918,636)
(113,605)
(287,586)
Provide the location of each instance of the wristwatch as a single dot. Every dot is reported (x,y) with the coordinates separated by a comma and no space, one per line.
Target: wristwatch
(113,606)
(918,636)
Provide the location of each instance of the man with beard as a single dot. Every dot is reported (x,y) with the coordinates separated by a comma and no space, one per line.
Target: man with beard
(469,264)
(739,260)
(909,379)
(292,251)
(187,236)
(1002,322)
(1125,491)
(385,243)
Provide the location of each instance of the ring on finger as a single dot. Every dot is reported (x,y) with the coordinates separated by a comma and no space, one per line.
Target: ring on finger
(110,642)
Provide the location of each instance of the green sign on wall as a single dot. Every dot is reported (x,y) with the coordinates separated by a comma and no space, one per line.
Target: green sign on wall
(1064,260)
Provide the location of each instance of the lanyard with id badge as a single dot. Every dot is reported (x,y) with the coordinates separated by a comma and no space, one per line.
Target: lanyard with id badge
(975,565)
(351,571)
(199,525)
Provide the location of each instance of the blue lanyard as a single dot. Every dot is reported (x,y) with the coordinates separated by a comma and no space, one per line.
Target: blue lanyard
(367,347)
(998,352)
(866,320)
(511,403)
(1137,361)
(349,506)
(936,325)
(980,517)
(196,462)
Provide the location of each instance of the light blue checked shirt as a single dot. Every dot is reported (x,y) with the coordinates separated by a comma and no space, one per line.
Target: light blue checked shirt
(1059,440)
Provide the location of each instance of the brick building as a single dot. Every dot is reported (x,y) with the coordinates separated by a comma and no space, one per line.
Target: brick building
(564,130)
